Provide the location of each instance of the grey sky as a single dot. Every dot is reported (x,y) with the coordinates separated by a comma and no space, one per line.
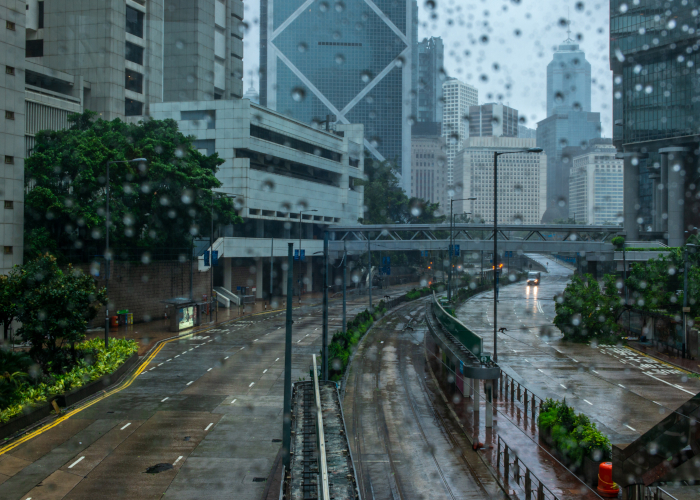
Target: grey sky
(520,38)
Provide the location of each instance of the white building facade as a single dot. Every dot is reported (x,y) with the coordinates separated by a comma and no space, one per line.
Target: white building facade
(458,96)
(596,186)
(522,180)
(428,173)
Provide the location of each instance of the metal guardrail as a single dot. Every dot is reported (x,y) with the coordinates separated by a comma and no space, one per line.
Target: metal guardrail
(508,464)
(509,387)
(657,493)
(323,465)
(469,339)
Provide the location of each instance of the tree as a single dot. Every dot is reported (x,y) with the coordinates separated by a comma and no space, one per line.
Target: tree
(55,307)
(9,291)
(387,203)
(163,203)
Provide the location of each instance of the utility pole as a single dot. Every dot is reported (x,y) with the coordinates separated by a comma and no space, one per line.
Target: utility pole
(325,306)
(345,276)
(369,270)
(272,258)
(287,415)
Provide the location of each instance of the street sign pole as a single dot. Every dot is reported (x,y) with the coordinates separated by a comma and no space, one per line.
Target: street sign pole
(287,416)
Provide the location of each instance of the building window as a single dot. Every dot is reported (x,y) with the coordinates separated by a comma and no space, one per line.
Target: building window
(9,70)
(134,22)
(10,115)
(133,81)
(133,108)
(8,250)
(10,25)
(134,53)
(9,160)
(35,48)
(41,15)
(9,204)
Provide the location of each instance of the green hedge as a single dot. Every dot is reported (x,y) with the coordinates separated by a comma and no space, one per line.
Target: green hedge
(18,390)
(575,436)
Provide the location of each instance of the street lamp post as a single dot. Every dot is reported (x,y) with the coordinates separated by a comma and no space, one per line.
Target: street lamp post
(449,270)
(211,251)
(454,216)
(686,309)
(496,154)
(299,273)
(107,256)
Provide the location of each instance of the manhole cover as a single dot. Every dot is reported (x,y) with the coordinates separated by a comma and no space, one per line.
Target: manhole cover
(155,469)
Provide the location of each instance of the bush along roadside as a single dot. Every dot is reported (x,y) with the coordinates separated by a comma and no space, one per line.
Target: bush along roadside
(574,436)
(22,384)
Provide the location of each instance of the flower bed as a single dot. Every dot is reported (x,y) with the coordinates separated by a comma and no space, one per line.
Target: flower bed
(20,393)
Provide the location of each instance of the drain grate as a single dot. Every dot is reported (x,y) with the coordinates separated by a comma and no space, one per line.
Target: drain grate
(276,440)
(157,468)
(259,479)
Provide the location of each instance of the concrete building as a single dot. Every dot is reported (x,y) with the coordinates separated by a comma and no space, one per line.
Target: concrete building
(203,50)
(116,58)
(522,180)
(458,97)
(569,121)
(312,68)
(431,75)
(284,174)
(656,104)
(526,132)
(428,172)
(252,95)
(595,185)
(493,120)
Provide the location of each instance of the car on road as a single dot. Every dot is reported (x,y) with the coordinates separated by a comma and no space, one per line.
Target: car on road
(533,278)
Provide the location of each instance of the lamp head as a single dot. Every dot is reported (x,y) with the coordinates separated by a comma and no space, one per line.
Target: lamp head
(139,160)
(535,150)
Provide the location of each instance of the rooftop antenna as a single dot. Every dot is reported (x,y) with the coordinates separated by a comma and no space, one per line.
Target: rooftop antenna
(568,26)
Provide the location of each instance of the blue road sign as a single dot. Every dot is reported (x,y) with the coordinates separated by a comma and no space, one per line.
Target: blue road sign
(215,258)
(206,258)
(456,250)
(303,254)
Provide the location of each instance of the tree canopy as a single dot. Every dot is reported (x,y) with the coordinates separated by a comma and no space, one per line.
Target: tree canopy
(162,203)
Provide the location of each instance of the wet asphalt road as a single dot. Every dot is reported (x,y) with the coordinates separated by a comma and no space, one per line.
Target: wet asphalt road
(624,392)
(404,444)
(210,406)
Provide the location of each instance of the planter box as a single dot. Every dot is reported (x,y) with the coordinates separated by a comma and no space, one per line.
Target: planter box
(590,471)
(16,424)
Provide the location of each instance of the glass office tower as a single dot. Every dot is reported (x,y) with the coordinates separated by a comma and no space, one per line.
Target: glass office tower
(351,60)
(656,110)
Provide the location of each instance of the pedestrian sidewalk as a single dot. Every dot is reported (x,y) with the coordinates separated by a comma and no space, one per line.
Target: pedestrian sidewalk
(148,334)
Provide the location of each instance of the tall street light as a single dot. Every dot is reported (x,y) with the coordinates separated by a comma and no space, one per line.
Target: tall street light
(449,278)
(496,154)
(214,191)
(107,256)
(454,216)
(299,273)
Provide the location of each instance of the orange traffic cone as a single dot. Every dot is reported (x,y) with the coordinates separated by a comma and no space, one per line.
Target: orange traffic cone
(606,487)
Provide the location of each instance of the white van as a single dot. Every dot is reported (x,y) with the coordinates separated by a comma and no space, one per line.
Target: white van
(533,278)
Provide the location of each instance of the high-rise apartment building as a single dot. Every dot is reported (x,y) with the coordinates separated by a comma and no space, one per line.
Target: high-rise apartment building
(353,63)
(522,180)
(431,75)
(493,120)
(526,132)
(116,58)
(428,172)
(569,121)
(595,184)
(654,58)
(458,96)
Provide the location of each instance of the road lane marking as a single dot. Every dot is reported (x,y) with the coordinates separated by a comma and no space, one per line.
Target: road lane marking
(164,399)
(127,425)
(188,383)
(210,369)
(298,341)
(668,383)
(255,340)
(631,428)
(540,370)
(152,369)
(265,370)
(588,402)
(234,401)
(572,359)
(242,348)
(622,386)
(160,364)
(251,384)
(226,357)
(168,360)
(277,360)
(208,427)
(76,462)
(177,356)
(178,459)
(563,386)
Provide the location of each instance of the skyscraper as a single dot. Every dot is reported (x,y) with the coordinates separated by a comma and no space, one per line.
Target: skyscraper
(428,172)
(354,63)
(654,58)
(493,120)
(458,96)
(431,74)
(569,121)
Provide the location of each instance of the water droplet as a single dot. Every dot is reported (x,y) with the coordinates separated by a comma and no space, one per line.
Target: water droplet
(323,6)
(298,94)
(339,58)
(365,76)
(302,47)
(268,185)
(339,6)
(580,6)
(558,97)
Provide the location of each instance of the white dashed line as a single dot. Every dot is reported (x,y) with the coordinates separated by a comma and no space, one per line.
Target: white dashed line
(242,348)
(208,427)
(164,399)
(631,428)
(178,459)
(251,384)
(177,356)
(668,383)
(226,357)
(298,341)
(563,386)
(265,370)
(168,360)
(277,360)
(622,386)
(588,402)
(191,381)
(255,340)
(76,462)
(152,369)
(540,370)
(210,369)
(572,359)
(234,401)
(160,364)
(127,425)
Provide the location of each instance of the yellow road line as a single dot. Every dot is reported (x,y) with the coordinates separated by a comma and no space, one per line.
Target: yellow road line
(671,365)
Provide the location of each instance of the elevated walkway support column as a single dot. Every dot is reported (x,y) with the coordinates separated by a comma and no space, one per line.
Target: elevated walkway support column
(477,396)
(258,278)
(663,193)
(676,191)
(488,389)
(631,195)
(227,273)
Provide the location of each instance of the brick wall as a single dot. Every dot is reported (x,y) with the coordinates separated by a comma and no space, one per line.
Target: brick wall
(141,288)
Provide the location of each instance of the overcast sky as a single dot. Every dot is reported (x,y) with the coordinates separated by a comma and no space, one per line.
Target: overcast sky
(502,47)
